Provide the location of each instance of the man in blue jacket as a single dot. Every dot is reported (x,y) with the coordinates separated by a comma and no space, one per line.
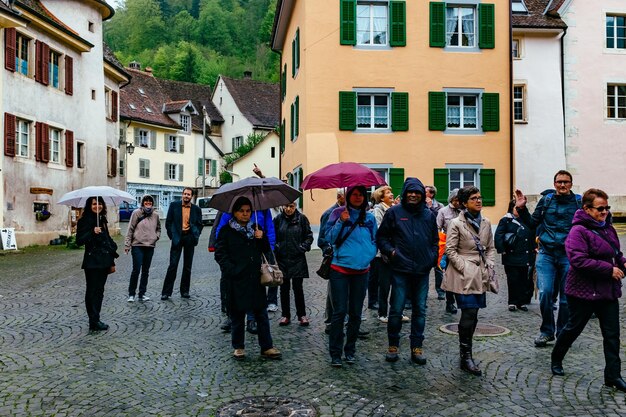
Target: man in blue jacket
(183,225)
(408,237)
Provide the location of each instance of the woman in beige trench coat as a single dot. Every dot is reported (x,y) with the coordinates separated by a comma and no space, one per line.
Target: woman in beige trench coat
(471,257)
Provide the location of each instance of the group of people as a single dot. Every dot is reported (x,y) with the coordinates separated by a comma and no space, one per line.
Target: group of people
(569,240)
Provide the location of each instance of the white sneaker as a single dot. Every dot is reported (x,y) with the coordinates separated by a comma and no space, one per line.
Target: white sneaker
(363,316)
(405,319)
(383,319)
(143,298)
(272,308)
(131,298)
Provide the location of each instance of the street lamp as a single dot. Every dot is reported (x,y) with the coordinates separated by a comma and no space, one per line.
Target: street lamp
(130,148)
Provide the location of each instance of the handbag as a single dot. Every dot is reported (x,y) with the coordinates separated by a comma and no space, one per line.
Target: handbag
(324,269)
(271,275)
(494,285)
(111,269)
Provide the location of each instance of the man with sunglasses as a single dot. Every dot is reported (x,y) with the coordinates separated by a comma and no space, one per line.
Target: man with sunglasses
(552,220)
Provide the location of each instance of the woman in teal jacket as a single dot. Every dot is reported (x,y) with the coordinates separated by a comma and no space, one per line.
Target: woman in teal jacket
(352,232)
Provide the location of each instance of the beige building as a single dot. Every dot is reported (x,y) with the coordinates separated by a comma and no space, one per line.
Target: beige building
(408,88)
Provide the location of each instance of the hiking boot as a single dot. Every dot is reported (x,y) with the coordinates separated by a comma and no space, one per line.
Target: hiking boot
(417,356)
(543,340)
(239,354)
(272,353)
(392,354)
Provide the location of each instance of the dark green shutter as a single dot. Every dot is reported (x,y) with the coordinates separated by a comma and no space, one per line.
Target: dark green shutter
(300,176)
(436,110)
(298,48)
(488,186)
(282,137)
(199,166)
(399,111)
(396,180)
(397,11)
(347,110)
(347,30)
(437,24)
(442,183)
(297,112)
(491,112)
(213,167)
(291,125)
(486,26)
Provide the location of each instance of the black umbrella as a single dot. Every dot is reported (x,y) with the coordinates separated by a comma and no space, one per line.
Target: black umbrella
(264,193)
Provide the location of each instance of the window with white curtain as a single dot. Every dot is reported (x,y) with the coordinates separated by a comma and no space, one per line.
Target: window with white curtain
(372,23)
(462,111)
(373,111)
(461,26)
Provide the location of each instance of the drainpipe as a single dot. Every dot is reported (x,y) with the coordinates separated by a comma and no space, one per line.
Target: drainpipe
(511,123)
(280,113)
(563,94)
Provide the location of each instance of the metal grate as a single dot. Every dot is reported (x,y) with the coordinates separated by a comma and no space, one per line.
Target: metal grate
(482,330)
(267,406)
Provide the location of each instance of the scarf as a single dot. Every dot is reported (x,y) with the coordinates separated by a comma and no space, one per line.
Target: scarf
(474,221)
(246,230)
(147,211)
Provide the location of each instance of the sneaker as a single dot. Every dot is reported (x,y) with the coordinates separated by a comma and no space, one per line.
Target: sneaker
(164,297)
(226,325)
(405,319)
(383,319)
(304,321)
(451,308)
(284,321)
(272,308)
(131,298)
(272,353)
(543,340)
(251,327)
(417,356)
(335,362)
(143,298)
(99,326)
(350,359)
(522,308)
(239,354)
(392,354)
(512,307)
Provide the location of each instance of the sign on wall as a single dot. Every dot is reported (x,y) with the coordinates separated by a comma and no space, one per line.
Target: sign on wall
(8,239)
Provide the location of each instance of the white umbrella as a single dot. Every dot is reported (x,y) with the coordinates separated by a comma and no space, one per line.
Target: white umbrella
(110,195)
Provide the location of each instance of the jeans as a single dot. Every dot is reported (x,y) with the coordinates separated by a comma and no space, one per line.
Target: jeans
(272,295)
(94,293)
(384,285)
(438,280)
(187,244)
(238,329)
(415,287)
(552,268)
(142,259)
(608,316)
(347,296)
(298,295)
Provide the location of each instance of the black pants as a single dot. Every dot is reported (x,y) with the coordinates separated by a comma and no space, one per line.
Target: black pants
(383,271)
(187,244)
(372,285)
(224,294)
(580,312)
(94,293)
(298,295)
(238,326)
(520,286)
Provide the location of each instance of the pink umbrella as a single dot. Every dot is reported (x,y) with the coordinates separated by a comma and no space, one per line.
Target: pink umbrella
(342,174)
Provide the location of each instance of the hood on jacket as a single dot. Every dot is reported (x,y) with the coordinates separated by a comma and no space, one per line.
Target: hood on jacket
(413,184)
(583,219)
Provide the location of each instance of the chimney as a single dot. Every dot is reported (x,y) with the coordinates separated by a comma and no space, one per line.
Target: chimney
(247,75)
(148,70)
(135,65)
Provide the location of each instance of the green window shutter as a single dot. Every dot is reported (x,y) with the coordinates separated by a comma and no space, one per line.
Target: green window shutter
(347,30)
(488,186)
(437,24)
(213,168)
(486,26)
(399,111)
(436,110)
(291,123)
(300,176)
(297,48)
(396,180)
(347,110)
(293,58)
(491,112)
(442,183)
(282,137)
(297,111)
(397,11)
(199,166)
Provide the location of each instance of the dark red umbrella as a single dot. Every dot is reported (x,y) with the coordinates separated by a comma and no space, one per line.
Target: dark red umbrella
(342,174)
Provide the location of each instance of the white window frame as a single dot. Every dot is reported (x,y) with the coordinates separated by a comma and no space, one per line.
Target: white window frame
(107,102)
(516,51)
(110,161)
(521,101)
(457,6)
(612,90)
(371,5)
(174,143)
(51,69)
(519,7)
(372,110)
(462,110)
(383,171)
(81,154)
(22,137)
(21,42)
(174,172)
(144,168)
(237,142)
(54,137)
(144,138)
(185,122)
(462,170)
(614,38)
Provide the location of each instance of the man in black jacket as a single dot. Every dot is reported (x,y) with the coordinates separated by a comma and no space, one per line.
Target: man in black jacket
(408,236)
(183,225)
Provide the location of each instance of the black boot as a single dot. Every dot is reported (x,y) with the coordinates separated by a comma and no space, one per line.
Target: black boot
(467,361)
(618,384)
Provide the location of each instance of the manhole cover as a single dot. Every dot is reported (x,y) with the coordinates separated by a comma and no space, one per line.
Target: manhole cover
(482,329)
(267,406)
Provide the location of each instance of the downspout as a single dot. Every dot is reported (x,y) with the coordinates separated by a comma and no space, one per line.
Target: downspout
(511,123)
(280,113)
(563,95)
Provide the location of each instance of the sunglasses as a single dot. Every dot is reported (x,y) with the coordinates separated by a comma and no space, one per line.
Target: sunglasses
(602,208)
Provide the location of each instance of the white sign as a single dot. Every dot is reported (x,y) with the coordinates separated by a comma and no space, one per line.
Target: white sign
(8,239)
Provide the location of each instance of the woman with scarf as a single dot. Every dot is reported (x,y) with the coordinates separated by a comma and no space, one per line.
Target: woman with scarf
(238,251)
(144,229)
(99,258)
(352,232)
(593,284)
(471,258)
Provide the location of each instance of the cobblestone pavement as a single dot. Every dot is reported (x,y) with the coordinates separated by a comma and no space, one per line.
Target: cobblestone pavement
(171,359)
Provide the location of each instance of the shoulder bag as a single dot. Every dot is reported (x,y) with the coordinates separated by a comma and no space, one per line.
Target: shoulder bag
(494,285)
(324,269)
(271,275)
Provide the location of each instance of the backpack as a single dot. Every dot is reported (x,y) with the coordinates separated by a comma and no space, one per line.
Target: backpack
(579,200)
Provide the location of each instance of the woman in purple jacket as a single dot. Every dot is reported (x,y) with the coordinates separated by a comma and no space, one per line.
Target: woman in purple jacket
(593,284)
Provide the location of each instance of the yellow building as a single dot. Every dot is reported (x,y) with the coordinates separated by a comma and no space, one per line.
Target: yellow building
(409,88)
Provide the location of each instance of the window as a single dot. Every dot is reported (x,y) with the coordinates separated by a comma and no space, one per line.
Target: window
(22,137)
(371,23)
(80,155)
(173,172)
(174,144)
(107,102)
(518,6)
(121,167)
(53,67)
(210,167)
(616,102)
(469,110)
(515,49)
(148,109)
(462,111)
(90,26)
(459,178)
(93,94)
(22,54)
(237,142)
(55,145)
(519,103)
(373,111)
(295,54)
(615,32)
(295,178)
(461,26)
(145,138)
(144,168)
(185,122)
